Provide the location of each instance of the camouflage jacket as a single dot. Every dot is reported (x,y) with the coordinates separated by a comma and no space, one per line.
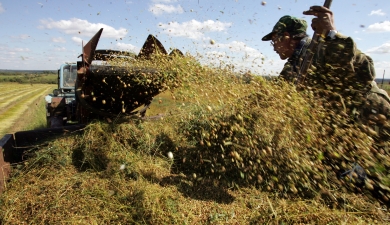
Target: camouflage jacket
(342,79)
(344,76)
(338,55)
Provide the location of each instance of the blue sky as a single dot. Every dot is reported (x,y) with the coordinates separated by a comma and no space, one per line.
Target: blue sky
(42,34)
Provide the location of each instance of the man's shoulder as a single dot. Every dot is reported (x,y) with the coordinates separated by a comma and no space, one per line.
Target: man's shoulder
(346,42)
(341,37)
(340,43)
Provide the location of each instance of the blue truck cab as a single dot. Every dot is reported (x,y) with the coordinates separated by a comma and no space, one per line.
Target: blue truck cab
(60,105)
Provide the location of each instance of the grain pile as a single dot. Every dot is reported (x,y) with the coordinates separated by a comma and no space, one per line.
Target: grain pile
(281,142)
(245,150)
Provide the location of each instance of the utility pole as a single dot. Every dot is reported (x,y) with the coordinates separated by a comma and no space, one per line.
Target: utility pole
(383,78)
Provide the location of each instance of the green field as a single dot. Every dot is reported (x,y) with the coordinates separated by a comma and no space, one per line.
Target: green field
(28,77)
(385,86)
(22,106)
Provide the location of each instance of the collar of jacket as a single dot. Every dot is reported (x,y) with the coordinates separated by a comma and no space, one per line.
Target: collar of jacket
(297,51)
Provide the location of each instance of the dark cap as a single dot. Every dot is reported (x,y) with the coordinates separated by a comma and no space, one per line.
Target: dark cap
(294,26)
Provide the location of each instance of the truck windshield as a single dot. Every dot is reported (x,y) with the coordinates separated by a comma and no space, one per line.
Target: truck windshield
(69,73)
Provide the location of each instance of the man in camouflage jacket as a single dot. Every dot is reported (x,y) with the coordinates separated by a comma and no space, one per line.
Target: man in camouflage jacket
(339,70)
(342,79)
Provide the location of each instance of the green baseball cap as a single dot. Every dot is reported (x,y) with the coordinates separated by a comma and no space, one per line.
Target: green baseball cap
(294,26)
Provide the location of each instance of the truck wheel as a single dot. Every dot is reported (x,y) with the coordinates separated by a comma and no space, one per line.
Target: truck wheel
(56,122)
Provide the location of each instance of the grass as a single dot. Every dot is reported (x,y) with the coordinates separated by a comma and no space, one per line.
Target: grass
(385,86)
(36,77)
(23,107)
(243,153)
(34,118)
(148,190)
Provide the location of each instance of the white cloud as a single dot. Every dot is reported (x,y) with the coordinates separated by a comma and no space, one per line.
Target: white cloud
(22,36)
(1,8)
(215,54)
(242,62)
(21,49)
(58,40)
(158,9)
(379,27)
(78,40)
(381,67)
(215,58)
(381,64)
(13,50)
(237,46)
(60,49)
(377,12)
(383,49)
(193,29)
(83,28)
(235,53)
(127,47)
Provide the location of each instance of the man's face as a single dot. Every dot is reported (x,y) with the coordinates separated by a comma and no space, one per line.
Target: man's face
(283,45)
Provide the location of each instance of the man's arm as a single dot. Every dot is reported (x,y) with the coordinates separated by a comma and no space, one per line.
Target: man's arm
(341,51)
